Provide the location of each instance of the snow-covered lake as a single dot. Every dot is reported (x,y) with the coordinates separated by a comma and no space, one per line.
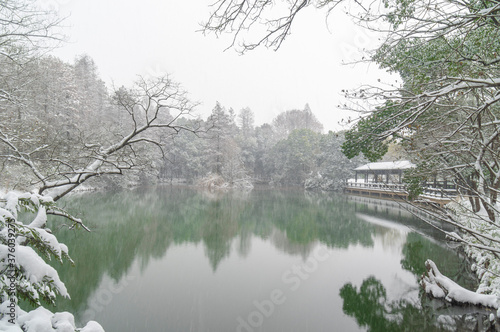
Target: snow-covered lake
(177,259)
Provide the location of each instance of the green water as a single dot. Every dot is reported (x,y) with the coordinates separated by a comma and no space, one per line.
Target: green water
(178,259)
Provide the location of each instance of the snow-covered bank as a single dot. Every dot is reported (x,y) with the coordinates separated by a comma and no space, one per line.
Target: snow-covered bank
(217,182)
(481,249)
(482,245)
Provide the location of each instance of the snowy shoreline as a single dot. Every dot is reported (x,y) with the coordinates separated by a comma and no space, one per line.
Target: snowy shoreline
(485,263)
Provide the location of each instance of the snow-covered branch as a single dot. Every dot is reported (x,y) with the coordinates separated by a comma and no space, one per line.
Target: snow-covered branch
(439,286)
(149,106)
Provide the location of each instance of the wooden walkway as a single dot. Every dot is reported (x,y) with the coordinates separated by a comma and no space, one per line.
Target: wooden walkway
(377,190)
(396,191)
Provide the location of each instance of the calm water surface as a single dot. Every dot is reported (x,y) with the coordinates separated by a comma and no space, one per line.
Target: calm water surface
(177,259)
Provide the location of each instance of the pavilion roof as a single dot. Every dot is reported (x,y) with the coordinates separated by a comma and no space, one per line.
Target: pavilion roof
(388,165)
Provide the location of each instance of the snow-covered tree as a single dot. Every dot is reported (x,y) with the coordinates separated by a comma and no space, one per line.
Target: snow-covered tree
(26,31)
(152,107)
(294,158)
(333,168)
(50,108)
(224,153)
(246,119)
(221,125)
(246,139)
(185,155)
(25,242)
(265,137)
(286,122)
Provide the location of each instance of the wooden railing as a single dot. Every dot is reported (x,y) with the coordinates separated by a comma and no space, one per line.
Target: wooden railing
(440,192)
(377,186)
(441,189)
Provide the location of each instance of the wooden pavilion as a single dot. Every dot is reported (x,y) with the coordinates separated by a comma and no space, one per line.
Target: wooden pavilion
(385,180)
(380,179)
(382,172)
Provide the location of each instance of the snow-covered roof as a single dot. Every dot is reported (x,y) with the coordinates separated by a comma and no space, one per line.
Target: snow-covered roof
(388,165)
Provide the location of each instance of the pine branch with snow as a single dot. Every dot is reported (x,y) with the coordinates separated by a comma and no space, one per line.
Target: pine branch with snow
(25,247)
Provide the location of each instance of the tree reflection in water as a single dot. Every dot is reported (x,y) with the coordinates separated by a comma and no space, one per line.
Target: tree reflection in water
(371,307)
(143,225)
(373,310)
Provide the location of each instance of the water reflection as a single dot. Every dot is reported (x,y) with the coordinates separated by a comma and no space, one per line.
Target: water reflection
(147,242)
(372,309)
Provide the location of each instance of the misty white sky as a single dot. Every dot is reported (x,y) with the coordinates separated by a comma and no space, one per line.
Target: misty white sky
(153,37)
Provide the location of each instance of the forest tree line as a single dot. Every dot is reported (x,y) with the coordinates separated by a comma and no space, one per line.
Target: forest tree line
(58,112)
(292,150)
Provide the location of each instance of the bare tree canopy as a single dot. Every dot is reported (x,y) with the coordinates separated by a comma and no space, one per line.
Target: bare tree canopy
(151,106)
(25,29)
(286,122)
(272,20)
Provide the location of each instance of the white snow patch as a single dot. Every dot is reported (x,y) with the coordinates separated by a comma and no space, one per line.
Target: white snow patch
(453,236)
(37,320)
(40,219)
(12,203)
(389,165)
(92,326)
(36,269)
(51,241)
(63,322)
(5,326)
(35,199)
(5,214)
(64,248)
(42,320)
